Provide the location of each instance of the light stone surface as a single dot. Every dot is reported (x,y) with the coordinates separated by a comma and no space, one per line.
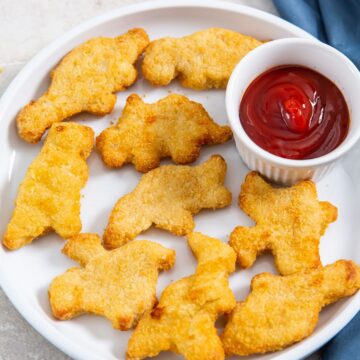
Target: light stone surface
(26,27)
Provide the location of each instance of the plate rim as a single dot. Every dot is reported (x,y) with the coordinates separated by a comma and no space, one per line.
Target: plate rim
(27,311)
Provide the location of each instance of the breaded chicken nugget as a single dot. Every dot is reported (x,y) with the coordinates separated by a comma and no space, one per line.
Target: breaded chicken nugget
(172,127)
(85,80)
(118,284)
(184,319)
(49,196)
(282,310)
(168,197)
(289,223)
(202,60)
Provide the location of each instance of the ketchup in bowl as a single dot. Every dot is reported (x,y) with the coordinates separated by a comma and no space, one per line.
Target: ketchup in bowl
(294,112)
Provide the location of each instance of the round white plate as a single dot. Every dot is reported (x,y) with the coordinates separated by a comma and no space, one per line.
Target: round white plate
(25,274)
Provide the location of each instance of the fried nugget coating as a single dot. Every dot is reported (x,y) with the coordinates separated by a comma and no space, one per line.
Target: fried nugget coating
(118,284)
(289,223)
(183,321)
(173,127)
(84,81)
(168,197)
(202,60)
(49,196)
(282,310)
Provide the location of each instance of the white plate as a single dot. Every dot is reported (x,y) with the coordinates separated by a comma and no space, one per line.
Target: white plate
(25,274)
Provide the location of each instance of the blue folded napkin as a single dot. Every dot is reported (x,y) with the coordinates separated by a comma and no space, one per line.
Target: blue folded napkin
(336,22)
(345,345)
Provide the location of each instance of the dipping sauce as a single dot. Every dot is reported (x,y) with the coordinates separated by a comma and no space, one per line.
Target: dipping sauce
(294,112)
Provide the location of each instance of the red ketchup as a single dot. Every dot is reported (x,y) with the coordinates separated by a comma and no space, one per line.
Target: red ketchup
(294,112)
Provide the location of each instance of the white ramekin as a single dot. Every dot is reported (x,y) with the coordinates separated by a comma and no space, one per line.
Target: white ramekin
(293,51)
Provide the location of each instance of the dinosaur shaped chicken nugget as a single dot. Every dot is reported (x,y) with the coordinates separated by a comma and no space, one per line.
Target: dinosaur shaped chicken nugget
(289,223)
(282,310)
(49,196)
(85,80)
(118,284)
(168,197)
(183,321)
(173,126)
(202,60)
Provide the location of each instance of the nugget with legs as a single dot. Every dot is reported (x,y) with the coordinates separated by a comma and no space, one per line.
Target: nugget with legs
(282,310)
(168,197)
(174,127)
(118,284)
(49,196)
(289,224)
(202,60)
(84,81)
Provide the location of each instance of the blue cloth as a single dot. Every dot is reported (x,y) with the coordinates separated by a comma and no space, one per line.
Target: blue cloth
(345,345)
(336,22)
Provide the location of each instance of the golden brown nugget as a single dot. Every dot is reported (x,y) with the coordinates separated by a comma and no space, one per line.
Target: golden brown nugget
(184,319)
(289,223)
(118,284)
(202,60)
(168,197)
(85,80)
(49,196)
(282,310)
(173,127)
